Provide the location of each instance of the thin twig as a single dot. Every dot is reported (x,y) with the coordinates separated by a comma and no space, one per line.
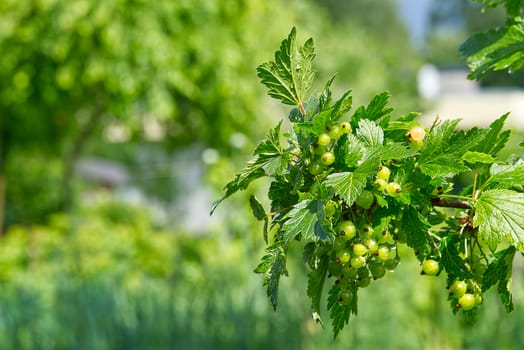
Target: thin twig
(450,203)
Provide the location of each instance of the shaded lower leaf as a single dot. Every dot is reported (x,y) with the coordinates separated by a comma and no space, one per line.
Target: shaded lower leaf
(451,260)
(315,283)
(347,185)
(415,227)
(339,313)
(303,219)
(499,272)
(273,266)
(257,208)
(500,214)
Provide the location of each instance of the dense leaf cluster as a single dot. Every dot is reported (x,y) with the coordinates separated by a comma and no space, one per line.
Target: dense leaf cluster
(354,185)
(497,49)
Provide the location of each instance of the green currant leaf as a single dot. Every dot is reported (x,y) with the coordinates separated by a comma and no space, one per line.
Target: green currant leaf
(394,150)
(349,150)
(256,206)
(314,127)
(415,226)
(270,154)
(259,213)
(342,106)
(398,129)
(338,313)
(477,157)
(507,175)
(370,134)
(315,283)
(347,185)
(499,272)
(499,213)
(496,49)
(326,96)
(303,220)
(376,110)
(450,258)
(273,266)
(289,77)
(282,192)
(308,254)
(494,140)
(441,155)
(271,144)
(381,201)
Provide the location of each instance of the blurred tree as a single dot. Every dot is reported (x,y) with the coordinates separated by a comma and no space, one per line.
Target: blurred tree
(71,67)
(374,49)
(369,15)
(72,71)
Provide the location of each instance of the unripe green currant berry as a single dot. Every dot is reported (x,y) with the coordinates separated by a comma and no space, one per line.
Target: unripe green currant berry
(345,127)
(380,184)
(342,281)
(349,272)
(430,267)
(383,252)
(340,243)
(416,145)
(372,245)
(358,261)
(365,200)
(363,282)
(343,256)
(347,228)
(334,268)
(324,140)
(393,189)
(467,301)
(383,172)
(458,288)
(327,158)
(417,133)
(345,297)
(330,208)
(368,231)
(377,269)
(363,272)
(478,299)
(392,263)
(334,131)
(359,249)
(315,168)
(437,191)
(318,149)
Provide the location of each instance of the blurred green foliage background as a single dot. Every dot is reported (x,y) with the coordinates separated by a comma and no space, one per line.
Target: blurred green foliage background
(122,254)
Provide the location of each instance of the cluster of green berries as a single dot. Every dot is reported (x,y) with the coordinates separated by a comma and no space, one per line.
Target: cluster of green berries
(323,147)
(383,184)
(465,294)
(358,256)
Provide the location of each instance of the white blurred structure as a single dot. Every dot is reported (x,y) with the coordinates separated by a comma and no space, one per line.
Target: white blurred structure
(453,96)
